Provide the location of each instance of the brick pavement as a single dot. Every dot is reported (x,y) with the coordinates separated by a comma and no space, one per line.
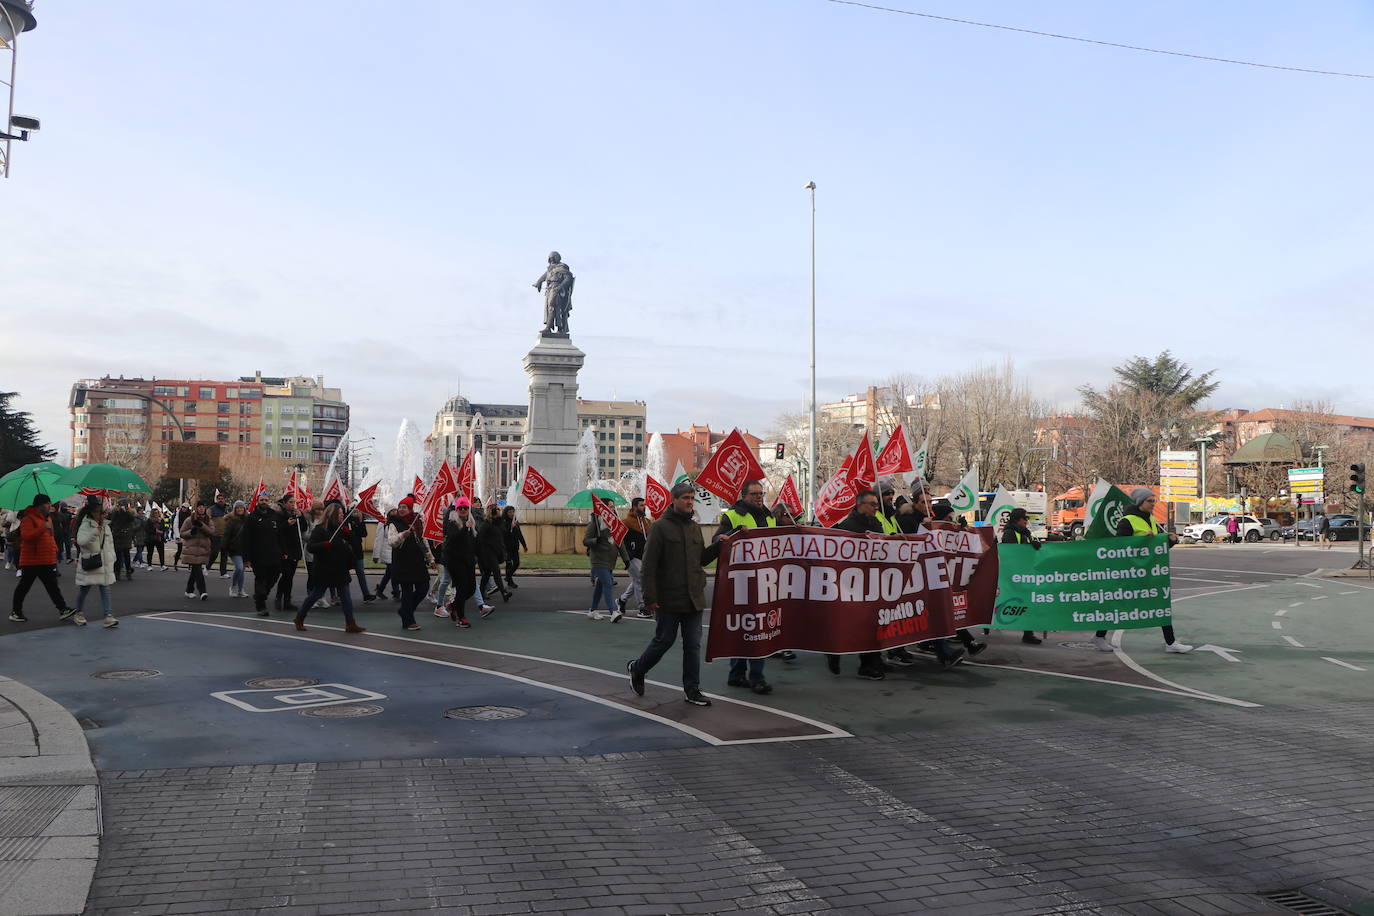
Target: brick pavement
(1187,814)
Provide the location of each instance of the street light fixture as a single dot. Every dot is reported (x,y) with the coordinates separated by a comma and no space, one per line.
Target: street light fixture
(16,17)
(811,443)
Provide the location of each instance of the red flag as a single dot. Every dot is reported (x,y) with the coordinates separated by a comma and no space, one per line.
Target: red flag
(790,498)
(467,476)
(862,474)
(730,466)
(895,458)
(657,497)
(302,493)
(336,490)
(259,492)
(418,488)
(367,506)
(441,492)
(606,512)
(536,487)
(835,499)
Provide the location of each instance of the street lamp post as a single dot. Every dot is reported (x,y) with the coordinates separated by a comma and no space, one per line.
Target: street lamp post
(1202,443)
(811,442)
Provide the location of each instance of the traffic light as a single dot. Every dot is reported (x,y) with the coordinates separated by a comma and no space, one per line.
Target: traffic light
(781,450)
(1357,478)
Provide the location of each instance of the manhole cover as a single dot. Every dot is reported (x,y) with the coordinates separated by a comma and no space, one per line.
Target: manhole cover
(281,682)
(343,711)
(126,674)
(486,713)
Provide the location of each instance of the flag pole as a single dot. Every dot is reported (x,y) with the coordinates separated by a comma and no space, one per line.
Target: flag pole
(811,443)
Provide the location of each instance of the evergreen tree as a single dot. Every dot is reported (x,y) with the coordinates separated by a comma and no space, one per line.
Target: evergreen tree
(19,443)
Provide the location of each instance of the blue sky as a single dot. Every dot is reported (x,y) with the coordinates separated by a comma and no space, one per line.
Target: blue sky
(368,190)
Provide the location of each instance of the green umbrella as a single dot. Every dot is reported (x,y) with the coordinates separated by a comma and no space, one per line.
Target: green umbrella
(105,477)
(46,466)
(582,499)
(18,490)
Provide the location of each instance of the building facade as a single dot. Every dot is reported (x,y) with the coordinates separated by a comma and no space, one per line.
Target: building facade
(621,438)
(497,431)
(253,419)
(691,448)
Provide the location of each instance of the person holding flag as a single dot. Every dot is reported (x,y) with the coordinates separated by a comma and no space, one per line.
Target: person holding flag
(410,560)
(332,549)
(747,512)
(1018,532)
(603,551)
(515,542)
(291,539)
(260,547)
(460,559)
(1139,521)
(862,518)
(636,537)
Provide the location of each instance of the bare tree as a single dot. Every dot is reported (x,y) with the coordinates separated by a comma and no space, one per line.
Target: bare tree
(914,404)
(989,416)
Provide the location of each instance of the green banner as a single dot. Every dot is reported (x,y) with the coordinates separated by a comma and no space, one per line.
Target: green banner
(1107,503)
(1104,584)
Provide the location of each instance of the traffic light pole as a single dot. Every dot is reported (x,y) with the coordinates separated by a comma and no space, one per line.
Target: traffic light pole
(1357,484)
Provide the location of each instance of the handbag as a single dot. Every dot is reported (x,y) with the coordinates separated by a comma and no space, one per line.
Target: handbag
(96,560)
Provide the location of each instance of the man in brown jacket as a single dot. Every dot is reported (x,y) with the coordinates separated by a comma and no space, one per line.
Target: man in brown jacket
(675,587)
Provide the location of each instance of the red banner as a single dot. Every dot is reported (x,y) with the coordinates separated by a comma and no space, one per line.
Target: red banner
(730,466)
(657,497)
(304,499)
(820,590)
(336,490)
(836,498)
(367,503)
(418,488)
(606,512)
(466,478)
(259,492)
(441,491)
(790,498)
(895,458)
(536,487)
(862,474)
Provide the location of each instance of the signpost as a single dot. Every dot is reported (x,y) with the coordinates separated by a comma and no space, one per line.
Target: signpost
(193,460)
(1178,473)
(1307,486)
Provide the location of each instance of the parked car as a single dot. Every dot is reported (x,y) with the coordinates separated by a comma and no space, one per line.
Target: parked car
(1271,528)
(1344,528)
(1214,529)
(1303,530)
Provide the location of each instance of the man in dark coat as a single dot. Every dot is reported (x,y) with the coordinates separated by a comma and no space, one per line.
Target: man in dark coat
(863,517)
(491,552)
(675,589)
(460,559)
(122,523)
(333,562)
(260,543)
(291,527)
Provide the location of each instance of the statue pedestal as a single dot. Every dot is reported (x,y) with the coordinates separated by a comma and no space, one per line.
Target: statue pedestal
(551,432)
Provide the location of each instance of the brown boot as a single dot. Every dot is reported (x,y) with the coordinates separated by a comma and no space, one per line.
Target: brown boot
(354,628)
(300,624)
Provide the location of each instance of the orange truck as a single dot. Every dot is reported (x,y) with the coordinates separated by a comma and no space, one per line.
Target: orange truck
(1066,511)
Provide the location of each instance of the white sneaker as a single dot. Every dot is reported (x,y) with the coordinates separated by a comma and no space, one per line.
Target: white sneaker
(593,615)
(110,622)
(616,615)
(1100,643)
(79,619)
(1179,647)
(204,596)
(440,612)
(190,594)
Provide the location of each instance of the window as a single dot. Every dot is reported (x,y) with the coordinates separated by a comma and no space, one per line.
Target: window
(302,440)
(160,391)
(639,424)
(222,407)
(267,426)
(183,391)
(189,407)
(190,435)
(221,437)
(249,393)
(627,435)
(286,453)
(231,392)
(207,394)
(267,410)
(222,422)
(188,421)
(246,409)
(639,437)
(80,446)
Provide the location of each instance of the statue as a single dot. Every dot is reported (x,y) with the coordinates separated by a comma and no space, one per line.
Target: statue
(557,286)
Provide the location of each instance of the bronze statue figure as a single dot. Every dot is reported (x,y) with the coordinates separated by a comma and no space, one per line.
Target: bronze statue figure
(557,285)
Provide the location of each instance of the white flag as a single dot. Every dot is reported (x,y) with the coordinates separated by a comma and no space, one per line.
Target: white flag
(1000,508)
(964,496)
(921,459)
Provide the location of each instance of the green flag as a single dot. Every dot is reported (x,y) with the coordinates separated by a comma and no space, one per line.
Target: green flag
(1084,585)
(1106,504)
(1000,508)
(964,496)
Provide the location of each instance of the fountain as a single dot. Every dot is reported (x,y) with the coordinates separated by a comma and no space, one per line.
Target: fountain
(479,477)
(410,458)
(656,457)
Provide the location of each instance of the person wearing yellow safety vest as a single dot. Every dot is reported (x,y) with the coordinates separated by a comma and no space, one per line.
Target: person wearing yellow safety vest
(1138,521)
(1017,531)
(747,512)
(889,516)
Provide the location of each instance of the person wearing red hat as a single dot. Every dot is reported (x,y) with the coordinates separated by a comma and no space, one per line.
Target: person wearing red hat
(410,560)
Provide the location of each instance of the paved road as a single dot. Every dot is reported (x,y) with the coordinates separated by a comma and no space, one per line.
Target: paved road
(1047,779)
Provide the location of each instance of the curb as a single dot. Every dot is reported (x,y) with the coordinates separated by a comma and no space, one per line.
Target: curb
(48,780)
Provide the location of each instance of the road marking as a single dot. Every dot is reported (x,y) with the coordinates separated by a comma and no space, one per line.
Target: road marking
(1141,669)
(1248,572)
(1293,642)
(1295,604)
(1276,624)
(1280,612)
(1320,597)
(831,730)
(1221,591)
(1200,579)
(1349,593)
(1310,584)
(1222,651)
(1185,692)
(1337,661)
